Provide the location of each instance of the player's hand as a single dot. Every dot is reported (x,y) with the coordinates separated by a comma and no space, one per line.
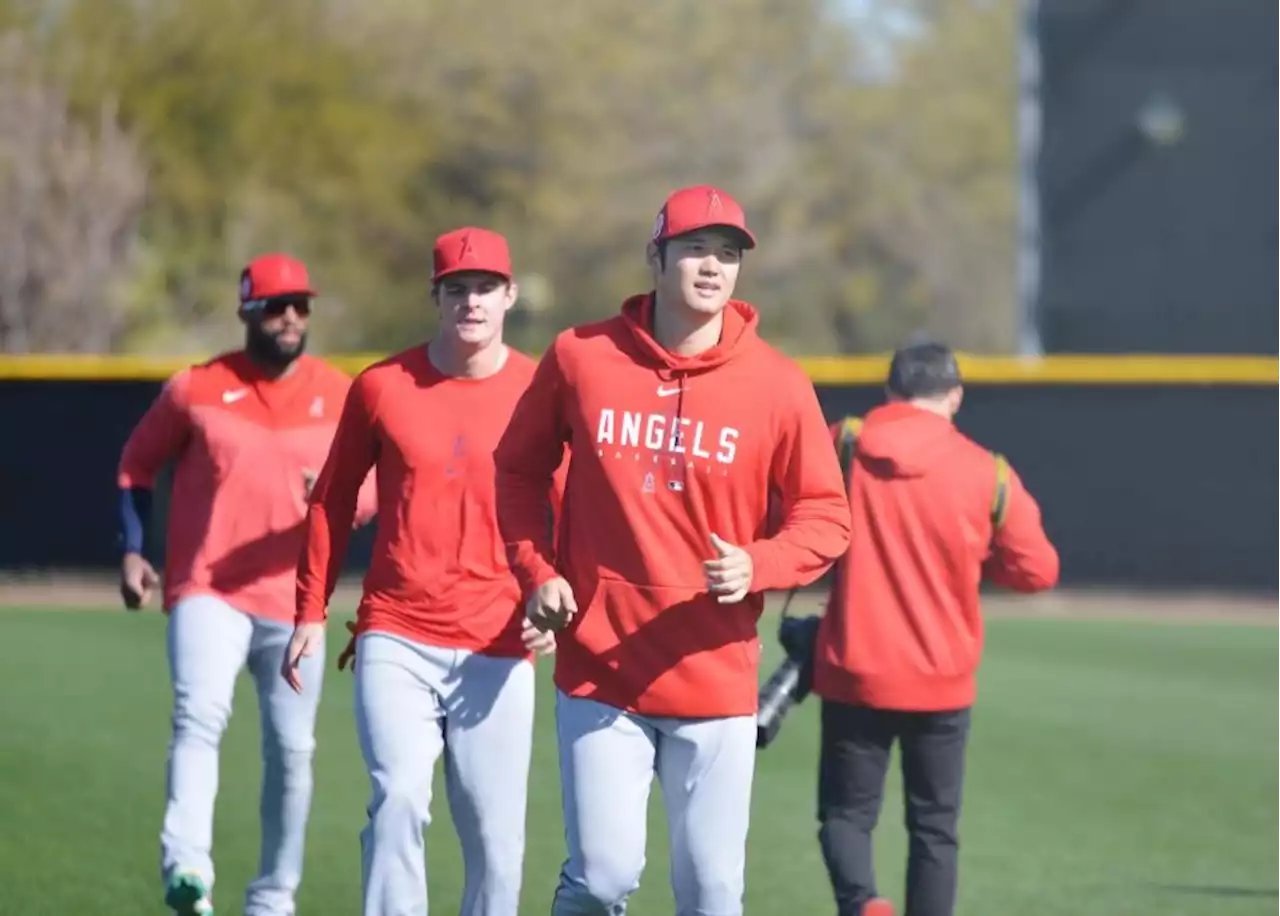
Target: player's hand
(552,606)
(308,638)
(729,574)
(535,640)
(348,655)
(138,581)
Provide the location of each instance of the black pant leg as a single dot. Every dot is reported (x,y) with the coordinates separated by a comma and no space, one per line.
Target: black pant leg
(933,752)
(854,761)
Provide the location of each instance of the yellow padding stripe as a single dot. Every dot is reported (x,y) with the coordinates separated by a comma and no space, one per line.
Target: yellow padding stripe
(1058,369)
(1065,369)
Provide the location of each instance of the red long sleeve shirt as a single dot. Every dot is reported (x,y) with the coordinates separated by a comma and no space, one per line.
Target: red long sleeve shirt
(244,447)
(439,573)
(666,451)
(904,627)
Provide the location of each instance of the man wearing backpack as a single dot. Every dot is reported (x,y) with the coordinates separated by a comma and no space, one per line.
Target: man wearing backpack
(934,514)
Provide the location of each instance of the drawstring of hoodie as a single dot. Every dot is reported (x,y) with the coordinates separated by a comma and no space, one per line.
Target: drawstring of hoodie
(677,376)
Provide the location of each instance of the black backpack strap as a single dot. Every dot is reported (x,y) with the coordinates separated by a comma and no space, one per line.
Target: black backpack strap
(1000,500)
(847,441)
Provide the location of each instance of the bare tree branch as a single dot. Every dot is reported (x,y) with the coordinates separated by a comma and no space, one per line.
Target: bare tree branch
(70,202)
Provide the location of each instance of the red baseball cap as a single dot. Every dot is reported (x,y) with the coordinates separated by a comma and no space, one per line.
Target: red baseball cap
(468,249)
(273,275)
(701,207)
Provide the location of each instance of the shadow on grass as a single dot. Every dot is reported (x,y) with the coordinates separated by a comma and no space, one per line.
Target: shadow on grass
(1209,890)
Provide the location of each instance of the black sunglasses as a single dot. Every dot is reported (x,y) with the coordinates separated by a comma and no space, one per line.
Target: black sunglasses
(277,306)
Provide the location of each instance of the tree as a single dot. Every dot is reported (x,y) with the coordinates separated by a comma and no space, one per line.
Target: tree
(568,131)
(70,203)
(930,244)
(265,132)
(874,156)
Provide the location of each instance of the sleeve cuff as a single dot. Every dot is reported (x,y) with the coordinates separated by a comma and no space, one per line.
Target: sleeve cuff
(764,565)
(535,576)
(312,614)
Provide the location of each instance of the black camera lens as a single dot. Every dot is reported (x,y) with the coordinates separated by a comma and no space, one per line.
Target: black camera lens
(792,681)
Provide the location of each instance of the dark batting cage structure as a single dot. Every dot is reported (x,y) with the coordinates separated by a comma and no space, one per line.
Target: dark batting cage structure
(1148,179)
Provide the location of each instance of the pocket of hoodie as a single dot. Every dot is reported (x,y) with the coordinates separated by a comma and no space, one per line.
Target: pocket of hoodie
(665,620)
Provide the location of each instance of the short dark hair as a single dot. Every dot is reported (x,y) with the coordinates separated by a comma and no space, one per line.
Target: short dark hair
(737,234)
(923,370)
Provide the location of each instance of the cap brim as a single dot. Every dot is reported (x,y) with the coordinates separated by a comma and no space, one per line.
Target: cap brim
(453,272)
(744,236)
(281,294)
(748,240)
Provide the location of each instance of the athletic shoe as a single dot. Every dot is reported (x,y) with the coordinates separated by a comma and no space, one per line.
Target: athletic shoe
(877,906)
(188,895)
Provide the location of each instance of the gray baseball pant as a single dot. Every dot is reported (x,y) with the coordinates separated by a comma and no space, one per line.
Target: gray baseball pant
(209,642)
(413,703)
(608,759)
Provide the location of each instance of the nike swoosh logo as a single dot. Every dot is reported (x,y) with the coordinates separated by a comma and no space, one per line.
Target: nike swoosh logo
(230,397)
(667,392)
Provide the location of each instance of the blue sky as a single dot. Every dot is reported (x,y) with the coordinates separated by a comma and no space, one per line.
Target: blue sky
(879,25)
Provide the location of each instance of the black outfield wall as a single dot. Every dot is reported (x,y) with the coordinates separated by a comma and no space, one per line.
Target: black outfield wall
(1142,485)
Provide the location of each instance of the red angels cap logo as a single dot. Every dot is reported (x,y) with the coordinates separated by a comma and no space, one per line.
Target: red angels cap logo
(714,205)
(466,253)
(659,223)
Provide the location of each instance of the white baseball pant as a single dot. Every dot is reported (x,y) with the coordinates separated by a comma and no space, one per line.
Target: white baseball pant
(608,759)
(209,643)
(413,702)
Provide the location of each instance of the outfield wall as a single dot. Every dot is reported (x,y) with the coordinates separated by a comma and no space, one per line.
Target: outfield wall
(1153,472)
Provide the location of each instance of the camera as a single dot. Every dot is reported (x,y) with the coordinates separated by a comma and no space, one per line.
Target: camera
(792,680)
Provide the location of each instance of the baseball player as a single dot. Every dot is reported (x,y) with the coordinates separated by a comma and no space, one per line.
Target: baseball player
(443,652)
(681,422)
(899,646)
(247,433)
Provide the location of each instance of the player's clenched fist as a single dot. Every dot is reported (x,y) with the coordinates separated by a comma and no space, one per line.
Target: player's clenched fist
(552,606)
(729,574)
(537,641)
(138,580)
(308,638)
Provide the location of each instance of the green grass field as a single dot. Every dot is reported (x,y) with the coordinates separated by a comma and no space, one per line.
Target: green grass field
(1116,768)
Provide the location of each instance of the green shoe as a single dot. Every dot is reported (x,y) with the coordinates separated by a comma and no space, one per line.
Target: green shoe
(187,895)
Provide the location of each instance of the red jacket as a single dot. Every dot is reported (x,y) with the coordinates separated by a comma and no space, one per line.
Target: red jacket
(904,627)
(439,572)
(666,451)
(242,446)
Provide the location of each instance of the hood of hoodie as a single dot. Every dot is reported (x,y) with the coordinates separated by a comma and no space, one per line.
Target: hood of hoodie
(740,321)
(901,440)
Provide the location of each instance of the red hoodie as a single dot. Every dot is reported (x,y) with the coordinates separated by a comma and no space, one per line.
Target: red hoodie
(665,451)
(904,626)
